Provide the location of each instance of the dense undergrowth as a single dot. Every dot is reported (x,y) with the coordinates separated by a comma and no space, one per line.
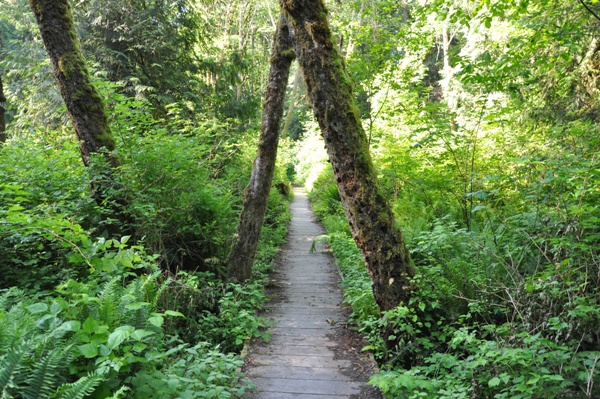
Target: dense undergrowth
(505,308)
(148,312)
(482,120)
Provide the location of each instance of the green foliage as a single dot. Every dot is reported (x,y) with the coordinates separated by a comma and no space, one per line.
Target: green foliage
(173,202)
(510,366)
(327,204)
(199,370)
(42,228)
(482,119)
(495,224)
(147,45)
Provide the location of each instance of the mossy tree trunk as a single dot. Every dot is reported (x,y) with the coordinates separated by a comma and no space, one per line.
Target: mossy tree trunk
(2,105)
(84,105)
(371,219)
(256,195)
(2,113)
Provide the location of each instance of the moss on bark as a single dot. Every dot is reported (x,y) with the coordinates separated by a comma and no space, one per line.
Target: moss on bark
(330,89)
(2,105)
(82,100)
(2,113)
(245,240)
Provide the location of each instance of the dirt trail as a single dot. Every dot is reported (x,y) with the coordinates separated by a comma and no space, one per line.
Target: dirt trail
(312,355)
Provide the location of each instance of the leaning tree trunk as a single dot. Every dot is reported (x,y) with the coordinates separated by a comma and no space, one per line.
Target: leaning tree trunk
(83,102)
(2,107)
(2,113)
(245,240)
(371,219)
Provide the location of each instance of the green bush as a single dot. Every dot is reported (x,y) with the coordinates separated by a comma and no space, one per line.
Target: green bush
(504,364)
(174,204)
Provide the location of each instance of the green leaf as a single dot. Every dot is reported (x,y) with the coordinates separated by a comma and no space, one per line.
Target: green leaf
(138,335)
(118,336)
(529,288)
(533,380)
(494,382)
(156,320)
(71,325)
(104,350)
(173,313)
(55,308)
(90,325)
(37,308)
(88,350)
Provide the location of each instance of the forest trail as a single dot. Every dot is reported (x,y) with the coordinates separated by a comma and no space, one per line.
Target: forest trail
(309,355)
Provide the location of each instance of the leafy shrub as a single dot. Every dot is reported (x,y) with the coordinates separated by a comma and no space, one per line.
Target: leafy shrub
(174,204)
(513,365)
(198,370)
(106,338)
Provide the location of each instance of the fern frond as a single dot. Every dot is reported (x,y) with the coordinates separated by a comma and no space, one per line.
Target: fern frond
(109,296)
(120,394)
(16,325)
(149,286)
(9,364)
(46,374)
(80,388)
(160,291)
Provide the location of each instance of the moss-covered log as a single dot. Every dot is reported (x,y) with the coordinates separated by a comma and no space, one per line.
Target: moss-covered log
(83,102)
(256,195)
(371,219)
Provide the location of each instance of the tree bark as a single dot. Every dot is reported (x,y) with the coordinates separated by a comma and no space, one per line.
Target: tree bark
(288,118)
(256,195)
(2,113)
(83,102)
(2,106)
(371,219)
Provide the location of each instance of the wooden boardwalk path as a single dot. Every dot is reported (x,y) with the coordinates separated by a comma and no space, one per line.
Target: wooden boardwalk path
(304,360)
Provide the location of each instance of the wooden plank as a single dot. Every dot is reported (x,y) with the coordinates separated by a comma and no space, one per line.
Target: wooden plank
(299,361)
(292,350)
(280,395)
(313,341)
(302,373)
(312,361)
(315,324)
(287,385)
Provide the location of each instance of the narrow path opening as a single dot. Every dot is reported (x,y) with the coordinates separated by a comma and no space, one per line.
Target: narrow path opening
(312,354)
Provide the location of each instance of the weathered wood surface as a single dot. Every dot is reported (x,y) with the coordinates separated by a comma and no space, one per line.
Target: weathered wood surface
(299,361)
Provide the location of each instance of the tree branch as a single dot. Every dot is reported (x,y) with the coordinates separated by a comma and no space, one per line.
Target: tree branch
(589,10)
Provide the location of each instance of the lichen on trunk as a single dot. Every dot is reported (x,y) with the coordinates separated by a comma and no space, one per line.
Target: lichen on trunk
(256,195)
(84,104)
(329,86)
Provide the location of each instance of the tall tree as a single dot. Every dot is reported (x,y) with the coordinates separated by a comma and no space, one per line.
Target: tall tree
(83,102)
(371,219)
(2,105)
(256,195)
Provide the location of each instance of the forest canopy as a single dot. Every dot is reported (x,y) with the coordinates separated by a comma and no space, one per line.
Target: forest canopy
(481,121)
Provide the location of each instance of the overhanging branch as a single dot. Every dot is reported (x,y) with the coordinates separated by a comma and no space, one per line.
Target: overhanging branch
(589,10)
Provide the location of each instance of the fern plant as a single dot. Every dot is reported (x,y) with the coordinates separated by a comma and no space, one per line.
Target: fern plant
(80,388)
(36,350)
